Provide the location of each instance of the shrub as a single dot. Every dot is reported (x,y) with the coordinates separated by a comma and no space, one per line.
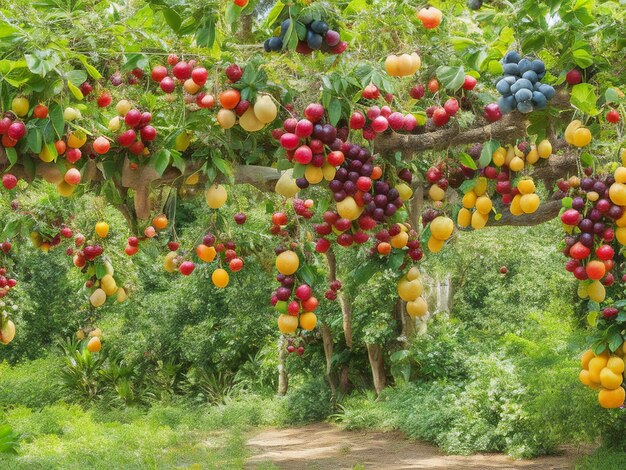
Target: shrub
(307,404)
(34,383)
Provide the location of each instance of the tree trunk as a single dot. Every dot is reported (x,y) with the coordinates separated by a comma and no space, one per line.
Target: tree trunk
(346,310)
(283,378)
(331,377)
(344,379)
(377,363)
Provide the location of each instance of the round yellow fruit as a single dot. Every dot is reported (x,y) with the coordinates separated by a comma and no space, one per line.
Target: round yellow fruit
(98,297)
(544,149)
(526,186)
(216,196)
(480,187)
(287,324)
(249,122)
(435,245)
(20,106)
(609,379)
(515,207)
(620,174)
(414,273)
(441,228)
(516,164)
(532,157)
(265,109)
(584,378)
(102,229)
(464,218)
(121,295)
(611,398)
(226,118)
(484,204)
(499,156)
(220,278)
(405,191)
(182,141)
(479,220)
(615,364)
(329,172)
(469,200)
(94,345)
(596,291)
(529,203)
(582,137)
(168,262)
(122,107)
(313,174)
(617,193)
(7,333)
(108,285)
(287,262)
(436,193)
(570,129)
(286,185)
(308,320)
(409,290)
(400,240)
(417,308)
(348,209)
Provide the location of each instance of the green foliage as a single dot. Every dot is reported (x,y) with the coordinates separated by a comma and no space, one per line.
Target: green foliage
(34,384)
(307,404)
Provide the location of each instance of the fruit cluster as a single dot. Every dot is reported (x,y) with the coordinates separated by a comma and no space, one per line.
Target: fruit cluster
(117,79)
(605,372)
(186,73)
(333,288)
(316,36)
(398,236)
(378,119)
(403,65)
(159,222)
(576,134)
(295,306)
(138,132)
(251,118)
(521,87)
(12,128)
(410,290)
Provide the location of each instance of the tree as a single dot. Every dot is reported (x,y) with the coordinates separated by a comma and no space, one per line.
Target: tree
(137,102)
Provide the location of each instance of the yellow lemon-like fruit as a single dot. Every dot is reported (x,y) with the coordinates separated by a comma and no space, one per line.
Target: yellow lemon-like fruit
(216,196)
(308,320)
(98,297)
(441,227)
(287,324)
(287,262)
(417,308)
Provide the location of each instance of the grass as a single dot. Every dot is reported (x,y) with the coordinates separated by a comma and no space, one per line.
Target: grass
(603,458)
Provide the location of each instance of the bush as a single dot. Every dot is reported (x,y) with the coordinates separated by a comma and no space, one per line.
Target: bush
(307,404)
(34,384)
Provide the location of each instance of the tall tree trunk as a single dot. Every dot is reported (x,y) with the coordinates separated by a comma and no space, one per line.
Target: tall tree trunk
(346,309)
(283,378)
(377,364)
(344,379)
(331,377)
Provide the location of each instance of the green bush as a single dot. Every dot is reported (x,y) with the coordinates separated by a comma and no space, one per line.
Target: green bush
(308,403)
(34,384)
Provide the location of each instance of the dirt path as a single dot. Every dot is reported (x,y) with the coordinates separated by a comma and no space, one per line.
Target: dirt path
(323,446)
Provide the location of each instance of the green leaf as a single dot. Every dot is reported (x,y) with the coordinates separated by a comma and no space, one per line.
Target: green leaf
(77,77)
(75,91)
(172,19)
(582,58)
(583,10)
(274,13)
(611,96)
(34,140)
(362,273)
(160,160)
(91,70)
(615,341)
(101,269)
(298,170)
(221,165)
(592,318)
(487,152)
(586,159)
(468,161)
(451,78)
(584,98)
(11,155)
(56,118)
(334,111)
(177,160)
(42,62)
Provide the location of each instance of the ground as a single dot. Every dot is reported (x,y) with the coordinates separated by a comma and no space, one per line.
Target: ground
(324,446)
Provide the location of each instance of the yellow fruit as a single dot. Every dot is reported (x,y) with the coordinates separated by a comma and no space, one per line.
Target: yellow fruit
(182,141)
(287,324)
(216,196)
(226,118)
(570,129)
(620,174)
(464,217)
(206,253)
(510,155)
(584,377)
(76,139)
(582,137)
(287,262)
(98,297)
(484,204)
(191,87)
(516,164)
(479,220)
(417,62)
(400,240)
(623,156)
(409,290)
(611,398)
(596,364)
(481,186)
(616,365)
(515,208)
(193,179)
(348,209)
(469,200)
(249,121)
(526,186)
(392,65)
(441,228)
(114,124)
(265,109)
(286,185)
(94,345)
(308,320)
(529,203)
(435,245)
(121,295)
(313,174)
(20,106)
(108,285)
(544,149)
(499,156)
(405,64)
(609,379)
(168,262)
(220,278)
(122,107)
(620,234)
(102,229)
(417,307)
(329,172)
(435,193)
(414,273)
(533,156)
(593,196)
(617,193)
(45,155)
(8,332)
(596,291)
(405,191)
(582,291)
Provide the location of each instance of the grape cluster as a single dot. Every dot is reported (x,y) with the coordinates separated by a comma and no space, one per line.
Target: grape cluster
(521,87)
(318,36)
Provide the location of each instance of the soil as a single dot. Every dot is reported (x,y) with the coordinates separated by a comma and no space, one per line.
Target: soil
(324,446)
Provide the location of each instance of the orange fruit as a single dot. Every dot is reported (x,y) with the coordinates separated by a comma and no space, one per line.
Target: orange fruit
(220,278)
(230,98)
(160,222)
(308,320)
(94,345)
(76,139)
(287,324)
(206,253)
(287,262)
(595,367)
(584,377)
(384,248)
(102,229)
(611,398)
(609,379)
(587,356)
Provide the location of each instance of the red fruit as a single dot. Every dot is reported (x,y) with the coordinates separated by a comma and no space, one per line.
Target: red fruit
(186,268)
(360,237)
(304,128)
(574,77)
(131,250)
(440,117)
(330,217)
(417,92)
(563,185)
(167,85)
(148,133)
(433,174)
(279,218)
(410,122)
(330,295)
(234,73)
(79,239)
(433,85)
(293,308)
(199,75)
(133,241)
(345,239)
(490,173)
(310,304)
(335,158)
(136,148)
(579,251)
(580,273)
(363,183)
(206,101)
(104,99)
(322,245)
(126,138)
(385,111)
(503,270)
(610,312)
(133,118)
(380,124)
(469,83)
(172,59)
(314,112)
(595,270)
(40,111)
(323,229)
(608,235)
(608,280)
(303,292)
(101,145)
(370,92)
(396,121)
(492,112)
(159,72)
(66,232)
(85,88)
(240,218)
(613,116)
(571,217)
(69,251)
(73,155)
(242,107)
(366,222)
(571,265)
(342,224)
(339,48)
(182,70)
(357,120)
(605,252)
(303,154)
(173,246)
(9,181)
(17,130)
(451,106)
(289,141)
(235,264)
(5,123)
